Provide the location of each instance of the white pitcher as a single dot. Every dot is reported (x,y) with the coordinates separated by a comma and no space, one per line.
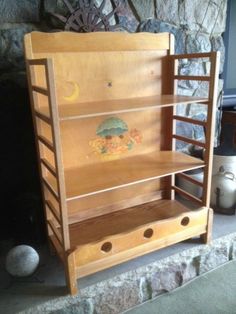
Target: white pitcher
(223,189)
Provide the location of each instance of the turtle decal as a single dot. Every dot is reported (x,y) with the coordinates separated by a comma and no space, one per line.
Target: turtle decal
(114,138)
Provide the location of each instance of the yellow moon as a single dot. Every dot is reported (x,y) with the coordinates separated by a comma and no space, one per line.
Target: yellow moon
(75,94)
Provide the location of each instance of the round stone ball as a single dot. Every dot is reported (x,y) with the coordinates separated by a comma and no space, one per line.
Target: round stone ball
(22,261)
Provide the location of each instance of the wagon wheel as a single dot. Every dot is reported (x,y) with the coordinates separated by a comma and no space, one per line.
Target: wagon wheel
(87,17)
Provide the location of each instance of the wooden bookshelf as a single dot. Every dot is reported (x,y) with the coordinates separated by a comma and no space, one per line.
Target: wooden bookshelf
(103,106)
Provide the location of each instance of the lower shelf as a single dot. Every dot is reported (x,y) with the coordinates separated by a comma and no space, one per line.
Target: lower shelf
(107,240)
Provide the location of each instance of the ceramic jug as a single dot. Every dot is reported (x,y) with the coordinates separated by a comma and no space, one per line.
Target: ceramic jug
(223,189)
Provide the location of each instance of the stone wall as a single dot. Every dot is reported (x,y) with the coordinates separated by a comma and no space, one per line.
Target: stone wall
(196,25)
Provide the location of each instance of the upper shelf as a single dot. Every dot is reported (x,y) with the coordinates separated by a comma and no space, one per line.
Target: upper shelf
(110,175)
(100,108)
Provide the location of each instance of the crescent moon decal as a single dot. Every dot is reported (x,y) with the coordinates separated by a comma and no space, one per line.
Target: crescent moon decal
(75,93)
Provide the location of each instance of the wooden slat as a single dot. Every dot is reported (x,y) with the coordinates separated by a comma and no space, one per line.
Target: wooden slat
(192,78)
(208,156)
(190,179)
(170,123)
(206,237)
(53,210)
(189,140)
(95,109)
(41,61)
(43,117)
(192,55)
(123,222)
(117,106)
(46,142)
(187,195)
(40,90)
(55,231)
(72,275)
(139,251)
(34,102)
(95,211)
(40,42)
(125,172)
(50,188)
(56,135)
(48,166)
(189,120)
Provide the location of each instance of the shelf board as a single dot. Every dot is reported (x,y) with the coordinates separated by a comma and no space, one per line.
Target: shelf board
(125,221)
(110,175)
(108,107)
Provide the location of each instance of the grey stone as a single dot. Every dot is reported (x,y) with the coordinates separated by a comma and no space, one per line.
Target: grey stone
(181,109)
(183,129)
(204,16)
(11,47)
(166,279)
(21,261)
(215,257)
(26,11)
(198,131)
(114,295)
(144,8)
(127,18)
(218,45)
(58,6)
(188,87)
(191,68)
(188,270)
(145,289)
(193,88)
(168,11)
(201,91)
(83,307)
(184,90)
(232,252)
(198,42)
(155,26)
(195,109)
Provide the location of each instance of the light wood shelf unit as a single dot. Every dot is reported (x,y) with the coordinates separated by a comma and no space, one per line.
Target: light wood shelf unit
(104,118)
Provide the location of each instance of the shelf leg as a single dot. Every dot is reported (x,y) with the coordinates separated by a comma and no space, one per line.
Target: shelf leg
(206,237)
(71,278)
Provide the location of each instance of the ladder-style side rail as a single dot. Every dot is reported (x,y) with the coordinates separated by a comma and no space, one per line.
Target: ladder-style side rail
(209,124)
(211,117)
(57,220)
(58,155)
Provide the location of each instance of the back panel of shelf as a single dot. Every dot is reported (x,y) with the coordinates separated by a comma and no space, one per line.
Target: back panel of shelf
(95,146)
(97,76)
